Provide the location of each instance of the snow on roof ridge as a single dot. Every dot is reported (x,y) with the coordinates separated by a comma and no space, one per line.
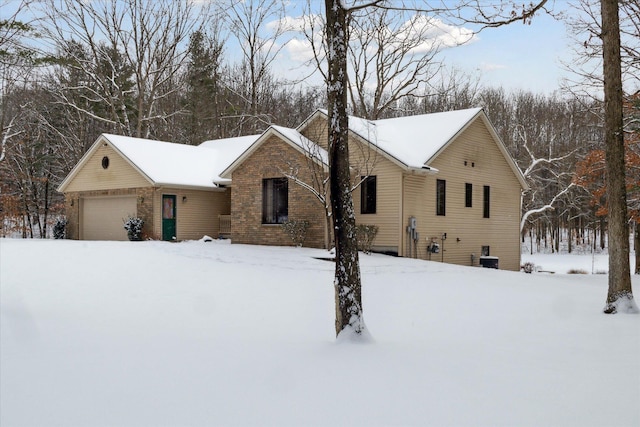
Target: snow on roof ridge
(114,138)
(412,140)
(210,142)
(474,109)
(170,163)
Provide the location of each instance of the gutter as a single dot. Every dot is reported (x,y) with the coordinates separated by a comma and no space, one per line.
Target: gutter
(215,187)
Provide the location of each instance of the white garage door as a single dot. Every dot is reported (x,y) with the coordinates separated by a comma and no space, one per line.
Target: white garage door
(103,218)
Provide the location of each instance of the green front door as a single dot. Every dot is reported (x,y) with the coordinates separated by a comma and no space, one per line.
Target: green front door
(168,217)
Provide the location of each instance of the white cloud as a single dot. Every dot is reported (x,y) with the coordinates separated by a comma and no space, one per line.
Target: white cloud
(289,23)
(299,47)
(425,33)
(300,50)
(435,34)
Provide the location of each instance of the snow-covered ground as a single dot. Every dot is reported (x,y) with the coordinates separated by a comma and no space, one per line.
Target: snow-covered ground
(213,334)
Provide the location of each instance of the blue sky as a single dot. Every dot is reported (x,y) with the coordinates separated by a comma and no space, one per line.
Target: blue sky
(518,56)
(515,56)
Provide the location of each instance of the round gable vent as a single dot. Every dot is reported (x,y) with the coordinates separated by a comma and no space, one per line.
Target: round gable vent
(105,162)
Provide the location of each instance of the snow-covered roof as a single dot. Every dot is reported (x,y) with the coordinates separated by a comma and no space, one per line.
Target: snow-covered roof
(413,140)
(166,163)
(227,151)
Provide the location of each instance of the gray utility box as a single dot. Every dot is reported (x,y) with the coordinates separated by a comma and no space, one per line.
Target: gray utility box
(489,261)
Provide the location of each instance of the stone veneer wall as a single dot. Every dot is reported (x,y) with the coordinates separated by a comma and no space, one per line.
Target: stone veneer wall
(144,207)
(72,212)
(270,160)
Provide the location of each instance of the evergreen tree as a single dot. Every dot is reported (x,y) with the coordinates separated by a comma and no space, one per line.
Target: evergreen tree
(203,89)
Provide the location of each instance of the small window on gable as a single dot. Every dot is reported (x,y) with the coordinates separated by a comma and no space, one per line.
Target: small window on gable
(368,195)
(105,162)
(468,195)
(275,200)
(441,190)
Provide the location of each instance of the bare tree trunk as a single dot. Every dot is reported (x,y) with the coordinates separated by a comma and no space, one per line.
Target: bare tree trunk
(45,213)
(347,274)
(556,227)
(636,246)
(328,223)
(569,235)
(28,216)
(619,297)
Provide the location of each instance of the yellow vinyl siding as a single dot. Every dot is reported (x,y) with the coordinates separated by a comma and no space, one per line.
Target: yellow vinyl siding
(119,174)
(403,194)
(418,203)
(388,185)
(388,204)
(196,216)
(317,131)
(467,230)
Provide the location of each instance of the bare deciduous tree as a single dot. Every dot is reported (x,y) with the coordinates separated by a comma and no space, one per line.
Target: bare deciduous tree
(349,318)
(619,296)
(248,22)
(15,66)
(347,282)
(130,53)
(33,167)
(391,55)
(604,62)
(313,174)
(390,58)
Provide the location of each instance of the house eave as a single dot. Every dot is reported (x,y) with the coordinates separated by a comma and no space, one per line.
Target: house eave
(424,170)
(102,139)
(271,131)
(214,188)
